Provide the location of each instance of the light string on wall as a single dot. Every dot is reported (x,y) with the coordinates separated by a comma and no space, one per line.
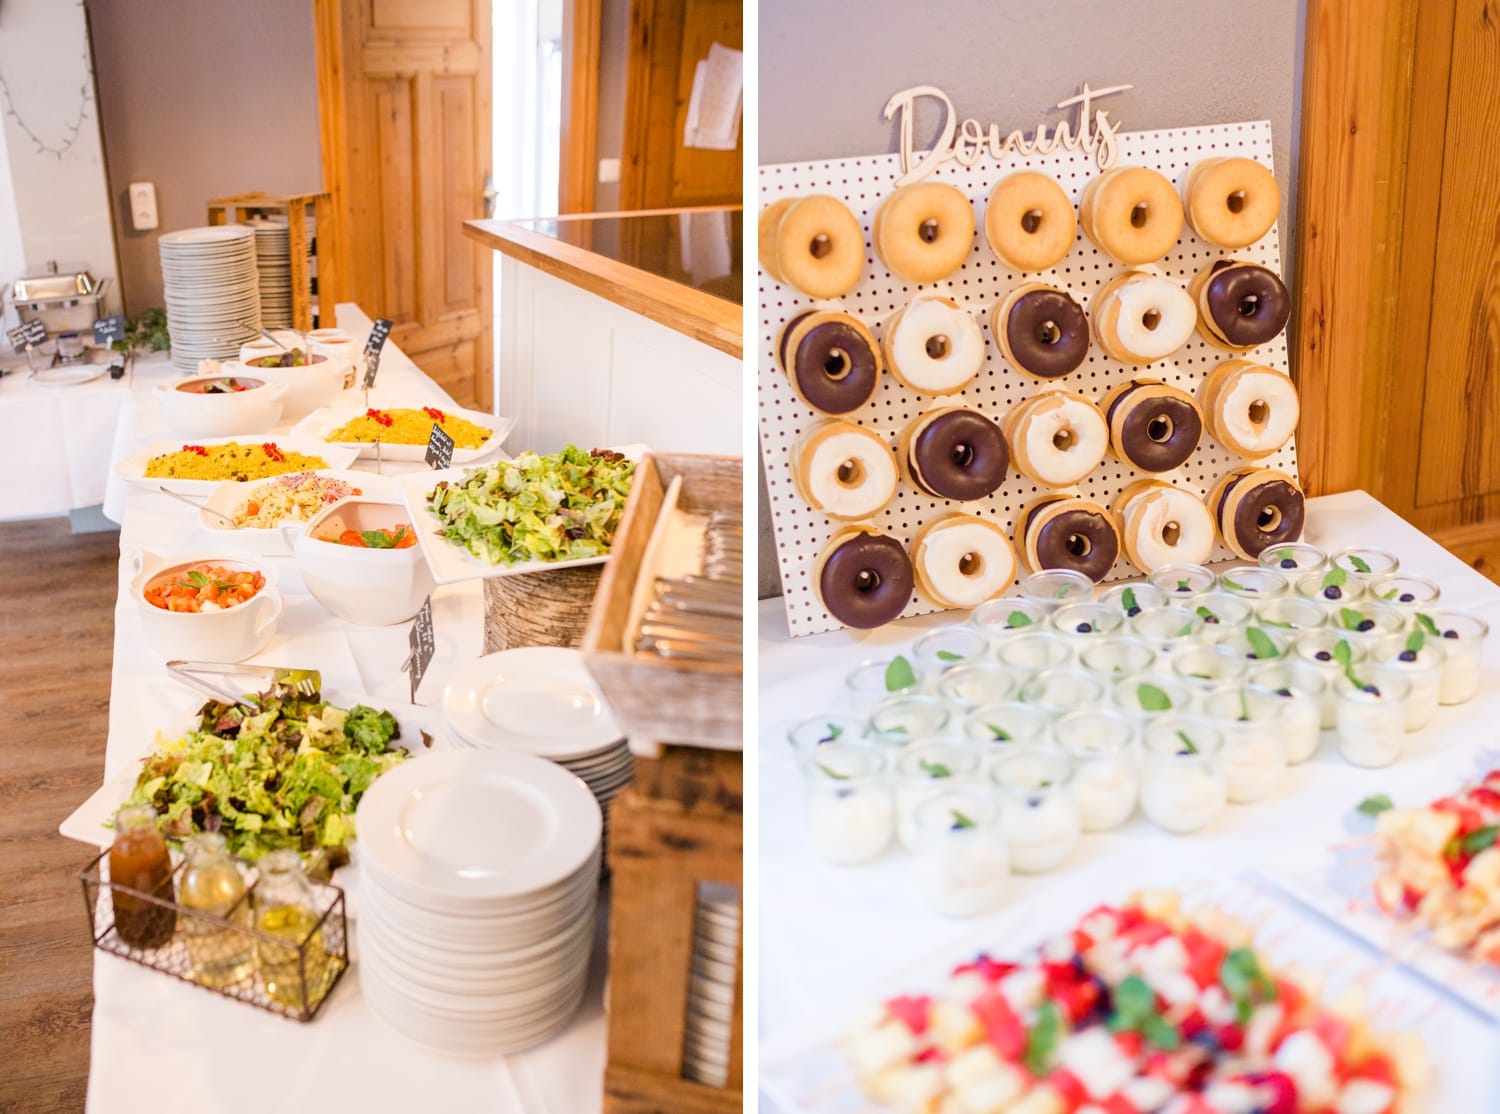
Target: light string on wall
(71,131)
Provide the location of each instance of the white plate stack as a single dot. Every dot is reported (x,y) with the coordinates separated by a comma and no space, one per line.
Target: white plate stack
(711,982)
(478,890)
(541,700)
(211,289)
(273,265)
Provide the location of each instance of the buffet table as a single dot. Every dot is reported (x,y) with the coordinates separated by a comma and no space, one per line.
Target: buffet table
(162,1046)
(830,936)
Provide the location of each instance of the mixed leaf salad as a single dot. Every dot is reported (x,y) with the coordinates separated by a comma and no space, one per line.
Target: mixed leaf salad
(279,771)
(562,507)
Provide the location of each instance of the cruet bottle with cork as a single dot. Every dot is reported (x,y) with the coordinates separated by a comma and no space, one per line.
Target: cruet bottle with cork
(139,860)
(293,966)
(211,884)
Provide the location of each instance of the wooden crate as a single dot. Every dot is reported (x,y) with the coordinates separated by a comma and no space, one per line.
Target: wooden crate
(697,703)
(678,825)
(296,208)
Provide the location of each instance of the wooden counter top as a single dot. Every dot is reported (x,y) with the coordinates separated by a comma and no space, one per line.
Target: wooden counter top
(694,312)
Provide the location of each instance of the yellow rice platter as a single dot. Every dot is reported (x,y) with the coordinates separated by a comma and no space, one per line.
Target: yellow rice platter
(404,430)
(196,467)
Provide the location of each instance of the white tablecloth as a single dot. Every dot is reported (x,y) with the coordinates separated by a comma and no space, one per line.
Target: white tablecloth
(829,935)
(161,1047)
(55,443)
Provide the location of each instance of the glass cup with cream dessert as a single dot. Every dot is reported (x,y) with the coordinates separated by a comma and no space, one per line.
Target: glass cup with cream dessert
(1005,725)
(1253,756)
(1035,651)
(1291,613)
(878,679)
(1052,588)
(1208,666)
(1133,598)
(1364,624)
(1056,691)
(1371,716)
(1086,618)
(816,731)
(1330,587)
(1106,773)
(1220,614)
(926,768)
(901,719)
(938,651)
(1293,559)
(1409,594)
(1000,619)
(1253,583)
(1416,657)
(1182,782)
(1039,811)
(1257,641)
(1463,637)
(965,687)
(1166,628)
(1182,583)
(1321,649)
(1365,565)
(850,810)
(1148,695)
(1117,657)
(959,854)
(1300,687)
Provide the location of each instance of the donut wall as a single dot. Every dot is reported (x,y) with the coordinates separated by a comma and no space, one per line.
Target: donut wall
(803,532)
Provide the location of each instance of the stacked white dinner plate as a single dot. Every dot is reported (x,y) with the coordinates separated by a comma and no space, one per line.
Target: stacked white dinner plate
(478,889)
(711,985)
(212,291)
(273,266)
(541,700)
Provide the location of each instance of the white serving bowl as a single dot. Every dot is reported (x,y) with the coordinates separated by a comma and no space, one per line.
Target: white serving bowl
(309,387)
(231,635)
(368,587)
(191,413)
(335,343)
(260,346)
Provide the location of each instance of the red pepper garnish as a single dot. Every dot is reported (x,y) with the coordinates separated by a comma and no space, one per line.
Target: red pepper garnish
(199,449)
(911,1010)
(272,452)
(1005,1031)
(435,415)
(991,970)
(380,416)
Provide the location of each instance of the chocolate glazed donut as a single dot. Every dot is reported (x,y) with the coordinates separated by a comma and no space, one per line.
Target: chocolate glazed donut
(1269,514)
(960,455)
(1248,303)
(1084,541)
(1157,435)
(1047,333)
(867,580)
(835,368)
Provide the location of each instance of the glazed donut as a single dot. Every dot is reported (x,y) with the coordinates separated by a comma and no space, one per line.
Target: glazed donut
(1251,409)
(933,345)
(1153,427)
(1056,438)
(1257,509)
(863,577)
(1231,203)
(812,243)
(1132,214)
(1029,221)
(1141,317)
(961,560)
(923,232)
(1163,525)
(1041,330)
(831,359)
(1065,532)
(953,453)
(1240,305)
(844,470)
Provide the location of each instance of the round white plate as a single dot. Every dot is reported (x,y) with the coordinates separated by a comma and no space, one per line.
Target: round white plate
(475,825)
(212,234)
(481,915)
(462,940)
(538,700)
(68,375)
(421,965)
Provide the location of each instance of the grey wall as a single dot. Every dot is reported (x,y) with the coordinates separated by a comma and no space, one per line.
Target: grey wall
(827,69)
(205,98)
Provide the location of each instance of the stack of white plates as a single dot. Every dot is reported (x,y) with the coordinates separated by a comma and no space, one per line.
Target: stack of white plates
(478,888)
(711,983)
(273,265)
(212,293)
(541,700)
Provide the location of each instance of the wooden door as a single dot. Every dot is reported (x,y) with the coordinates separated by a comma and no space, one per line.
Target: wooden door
(404,91)
(668,38)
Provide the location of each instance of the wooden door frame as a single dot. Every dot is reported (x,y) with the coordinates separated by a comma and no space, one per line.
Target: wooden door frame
(583,22)
(328,45)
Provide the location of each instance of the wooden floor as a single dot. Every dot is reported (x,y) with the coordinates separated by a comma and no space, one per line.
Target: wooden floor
(57,599)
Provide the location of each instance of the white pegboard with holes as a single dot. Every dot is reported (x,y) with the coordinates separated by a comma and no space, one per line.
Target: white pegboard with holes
(863,183)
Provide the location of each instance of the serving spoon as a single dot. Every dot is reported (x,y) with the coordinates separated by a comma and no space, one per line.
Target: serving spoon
(165,490)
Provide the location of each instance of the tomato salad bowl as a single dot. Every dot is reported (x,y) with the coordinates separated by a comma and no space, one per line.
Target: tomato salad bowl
(205,608)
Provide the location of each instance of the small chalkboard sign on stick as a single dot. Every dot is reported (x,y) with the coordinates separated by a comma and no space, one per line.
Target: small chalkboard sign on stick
(423,646)
(25,336)
(378,334)
(109,329)
(439,447)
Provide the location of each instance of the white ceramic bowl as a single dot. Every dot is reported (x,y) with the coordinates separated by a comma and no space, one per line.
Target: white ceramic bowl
(192,413)
(335,343)
(231,635)
(309,387)
(260,346)
(368,587)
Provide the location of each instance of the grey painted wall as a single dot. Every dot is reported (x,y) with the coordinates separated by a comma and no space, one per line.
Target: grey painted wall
(827,68)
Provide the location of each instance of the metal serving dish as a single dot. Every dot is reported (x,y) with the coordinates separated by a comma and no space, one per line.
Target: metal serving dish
(65,299)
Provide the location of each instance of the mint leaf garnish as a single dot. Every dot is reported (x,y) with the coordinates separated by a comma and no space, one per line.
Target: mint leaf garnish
(1359,563)
(1152,698)
(1260,643)
(899,675)
(831,772)
(1205,613)
(1017,619)
(999,733)
(1350,618)
(949,655)
(934,769)
(1191,746)
(1335,578)
(1043,1039)
(1428,625)
(1415,640)
(1477,840)
(960,821)
(1127,600)
(1374,806)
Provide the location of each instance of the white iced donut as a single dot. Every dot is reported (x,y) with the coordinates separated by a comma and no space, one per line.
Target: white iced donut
(1056,438)
(844,470)
(934,345)
(1163,525)
(961,560)
(1141,317)
(1250,409)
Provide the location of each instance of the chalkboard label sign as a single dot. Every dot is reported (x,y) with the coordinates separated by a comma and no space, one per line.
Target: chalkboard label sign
(423,646)
(439,447)
(24,336)
(107,330)
(378,334)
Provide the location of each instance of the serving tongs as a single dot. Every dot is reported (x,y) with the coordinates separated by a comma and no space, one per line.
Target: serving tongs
(296,682)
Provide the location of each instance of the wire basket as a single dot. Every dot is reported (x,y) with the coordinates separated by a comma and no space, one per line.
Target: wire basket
(225,954)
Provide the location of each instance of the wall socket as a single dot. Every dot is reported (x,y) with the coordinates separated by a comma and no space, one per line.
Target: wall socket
(143,206)
(609,171)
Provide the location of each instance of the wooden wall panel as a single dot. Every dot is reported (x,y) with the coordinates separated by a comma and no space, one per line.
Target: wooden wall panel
(462,196)
(391,254)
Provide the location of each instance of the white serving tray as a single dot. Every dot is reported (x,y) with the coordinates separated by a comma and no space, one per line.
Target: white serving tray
(316,427)
(229,494)
(133,468)
(450,563)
